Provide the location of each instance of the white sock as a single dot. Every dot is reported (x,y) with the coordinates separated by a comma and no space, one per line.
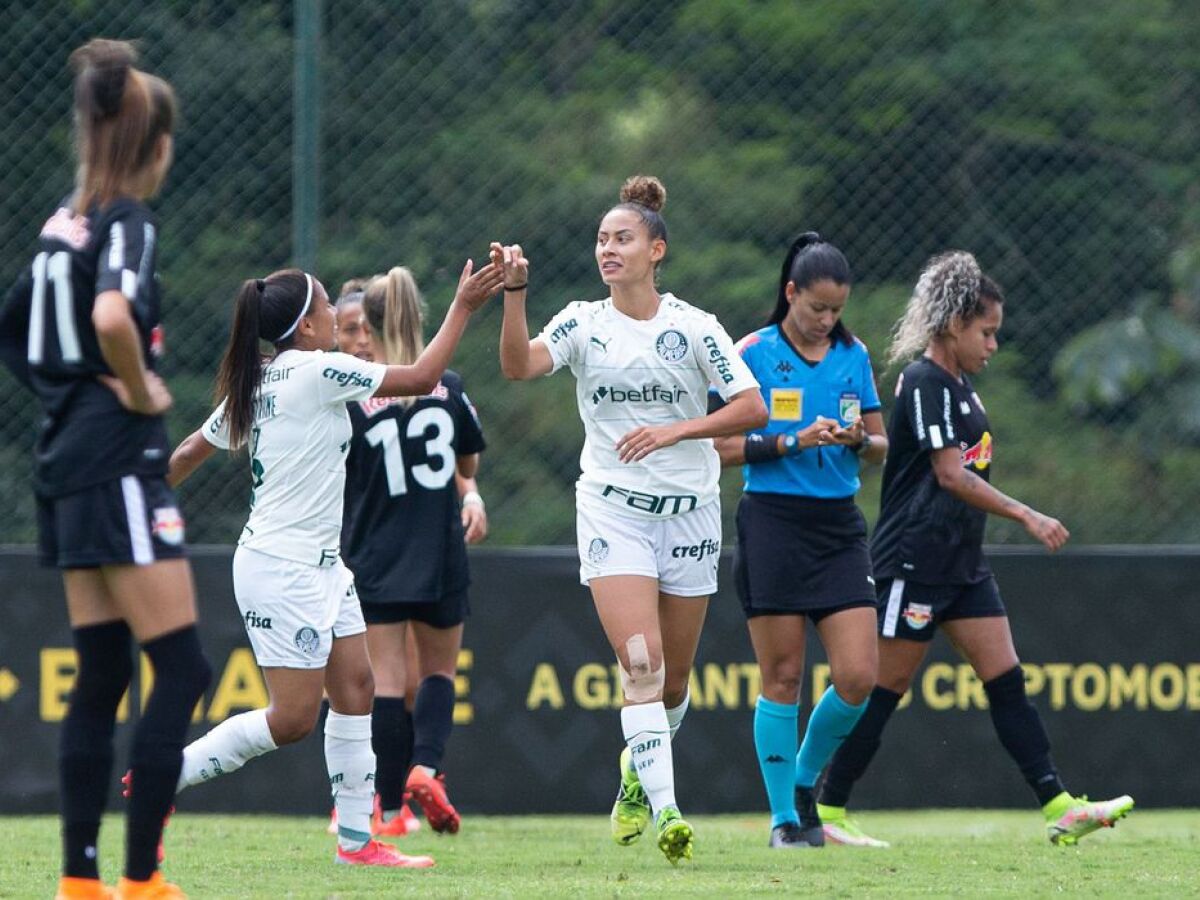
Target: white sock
(351,765)
(648,735)
(676,713)
(226,748)
(675,716)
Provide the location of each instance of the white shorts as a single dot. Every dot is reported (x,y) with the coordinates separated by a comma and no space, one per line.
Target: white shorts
(293,611)
(680,551)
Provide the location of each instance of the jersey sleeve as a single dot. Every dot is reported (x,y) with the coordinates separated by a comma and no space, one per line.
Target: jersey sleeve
(343,378)
(127,254)
(14,329)
(216,429)
(561,335)
(726,369)
(931,410)
(467,428)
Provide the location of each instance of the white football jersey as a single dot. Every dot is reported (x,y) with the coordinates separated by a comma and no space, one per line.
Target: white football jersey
(631,372)
(298,448)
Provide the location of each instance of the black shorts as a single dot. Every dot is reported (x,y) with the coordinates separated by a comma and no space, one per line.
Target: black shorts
(801,556)
(912,611)
(448,612)
(132,519)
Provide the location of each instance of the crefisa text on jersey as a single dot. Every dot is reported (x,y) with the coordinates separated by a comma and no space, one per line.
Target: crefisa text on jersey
(717,358)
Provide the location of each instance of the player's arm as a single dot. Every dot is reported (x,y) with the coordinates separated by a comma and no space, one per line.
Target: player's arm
(422,376)
(968,487)
(744,411)
(188,457)
(520,358)
(138,389)
(474,513)
(866,436)
(14,329)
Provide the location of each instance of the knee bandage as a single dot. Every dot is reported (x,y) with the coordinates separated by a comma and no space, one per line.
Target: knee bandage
(640,683)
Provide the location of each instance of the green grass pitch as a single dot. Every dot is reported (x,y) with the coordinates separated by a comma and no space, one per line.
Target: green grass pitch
(940,852)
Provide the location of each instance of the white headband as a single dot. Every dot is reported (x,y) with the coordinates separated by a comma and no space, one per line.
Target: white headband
(303,312)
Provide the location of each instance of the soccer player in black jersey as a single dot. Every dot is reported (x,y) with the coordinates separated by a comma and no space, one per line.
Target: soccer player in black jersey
(403,537)
(81,329)
(927,548)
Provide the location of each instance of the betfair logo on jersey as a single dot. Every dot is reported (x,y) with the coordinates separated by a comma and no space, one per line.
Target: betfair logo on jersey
(563,330)
(657,504)
(344,378)
(718,359)
(697,551)
(647,393)
(270,376)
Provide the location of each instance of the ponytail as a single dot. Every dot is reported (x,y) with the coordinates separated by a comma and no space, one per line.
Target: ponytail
(265,310)
(120,114)
(396,312)
(810,259)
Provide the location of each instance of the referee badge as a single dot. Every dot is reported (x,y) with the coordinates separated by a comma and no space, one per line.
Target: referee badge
(671,345)
(849,407)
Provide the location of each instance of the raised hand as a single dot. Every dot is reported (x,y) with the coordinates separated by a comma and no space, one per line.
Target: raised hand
(474,289)
(511,258)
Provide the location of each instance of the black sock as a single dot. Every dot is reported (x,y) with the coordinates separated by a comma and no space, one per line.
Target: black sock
(857,750)
(1021,732)
(86,745)
(433,716)
(391,739)
(181,673)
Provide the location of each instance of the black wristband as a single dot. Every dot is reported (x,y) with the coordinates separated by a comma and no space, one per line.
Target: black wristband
(516,287)
(761,448)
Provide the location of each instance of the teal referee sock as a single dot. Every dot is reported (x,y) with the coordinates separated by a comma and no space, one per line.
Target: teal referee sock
(831,720)
(775,740)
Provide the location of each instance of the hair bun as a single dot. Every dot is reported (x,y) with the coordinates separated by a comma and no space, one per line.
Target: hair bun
(644,190)
(807,239)
(102,69)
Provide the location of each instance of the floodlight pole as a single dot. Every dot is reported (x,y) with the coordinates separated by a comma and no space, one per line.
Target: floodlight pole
(306,132)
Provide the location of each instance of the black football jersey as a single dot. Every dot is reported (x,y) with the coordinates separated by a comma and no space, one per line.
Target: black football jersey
(402,533)
(48,341)
(925,534)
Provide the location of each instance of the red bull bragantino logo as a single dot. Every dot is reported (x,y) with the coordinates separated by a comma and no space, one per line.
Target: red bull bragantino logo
(979,456)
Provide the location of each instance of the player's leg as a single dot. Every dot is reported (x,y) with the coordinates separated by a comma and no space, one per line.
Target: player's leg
(391,722)
(165,629)
(433,718)
(104,650)
(849,637)
(986,643)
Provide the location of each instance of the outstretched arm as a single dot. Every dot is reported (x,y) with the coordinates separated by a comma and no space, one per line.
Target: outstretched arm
(188,457)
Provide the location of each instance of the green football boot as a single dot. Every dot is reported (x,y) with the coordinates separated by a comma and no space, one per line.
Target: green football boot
(841,829)
(631,812)
(1070,818)
(674,835)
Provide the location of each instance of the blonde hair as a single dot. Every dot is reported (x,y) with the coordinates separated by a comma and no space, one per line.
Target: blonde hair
(948,288)
(396,313)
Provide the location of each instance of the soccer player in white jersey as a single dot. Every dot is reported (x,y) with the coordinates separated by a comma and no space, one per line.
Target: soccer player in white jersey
(296,597)
(648,510)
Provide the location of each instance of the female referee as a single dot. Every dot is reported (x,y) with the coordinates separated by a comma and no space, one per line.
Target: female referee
(403,538)
(802,542)
(82,330)
(928,548)
(648,523)
(295,595)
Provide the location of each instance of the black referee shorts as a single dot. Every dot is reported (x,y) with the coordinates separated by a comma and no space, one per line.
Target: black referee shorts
(910,610)
(132,519)
(448,612)
(801,556)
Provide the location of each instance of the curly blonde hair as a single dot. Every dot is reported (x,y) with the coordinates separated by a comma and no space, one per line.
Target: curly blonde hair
(951,286)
